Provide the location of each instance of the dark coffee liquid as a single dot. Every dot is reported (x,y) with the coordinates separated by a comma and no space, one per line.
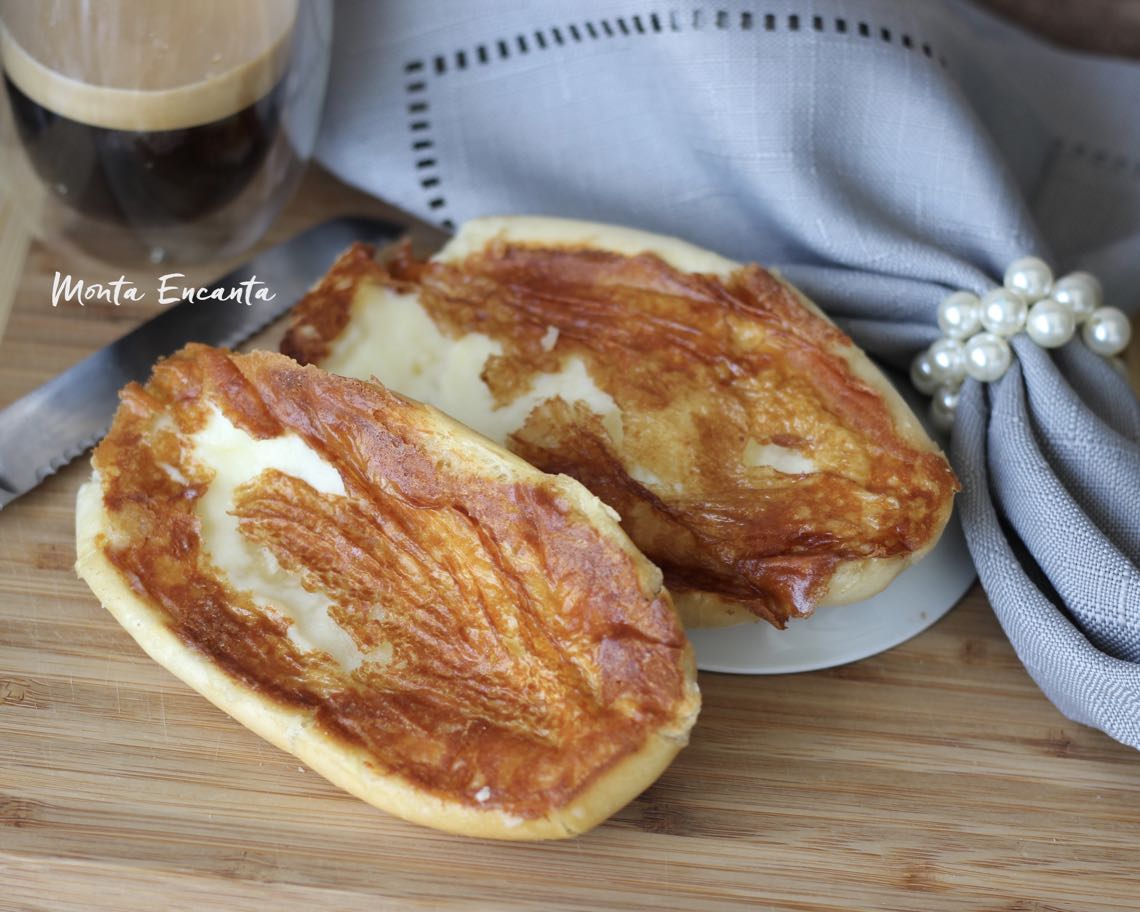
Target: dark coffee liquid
(146,179)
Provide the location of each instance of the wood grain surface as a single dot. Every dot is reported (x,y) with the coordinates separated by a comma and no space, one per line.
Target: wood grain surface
(935,776)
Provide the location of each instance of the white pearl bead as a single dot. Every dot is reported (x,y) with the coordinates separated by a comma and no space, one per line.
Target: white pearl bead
(947,362)
(922,374)
(1029,276)
(988,357)
(943,407)
(1107,332)
(1080,292)
(1050,323)
(960,315)
(1003,311)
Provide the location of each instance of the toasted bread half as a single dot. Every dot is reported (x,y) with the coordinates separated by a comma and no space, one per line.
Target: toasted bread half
(421,616)
(752,450)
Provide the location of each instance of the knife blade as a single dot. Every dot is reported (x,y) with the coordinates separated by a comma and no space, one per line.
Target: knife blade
(56,422)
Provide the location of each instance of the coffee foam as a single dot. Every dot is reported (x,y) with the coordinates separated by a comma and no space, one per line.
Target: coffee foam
(143,65)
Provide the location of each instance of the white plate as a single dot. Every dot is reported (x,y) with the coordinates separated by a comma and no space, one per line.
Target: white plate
(918,597)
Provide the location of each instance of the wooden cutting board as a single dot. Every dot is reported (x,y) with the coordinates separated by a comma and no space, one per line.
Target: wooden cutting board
(933,777)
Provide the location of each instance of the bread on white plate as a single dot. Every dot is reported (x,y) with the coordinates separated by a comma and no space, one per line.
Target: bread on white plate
(419,615)
(752,451)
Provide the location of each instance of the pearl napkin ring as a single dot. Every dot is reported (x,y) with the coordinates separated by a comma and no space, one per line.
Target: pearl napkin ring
(975,331)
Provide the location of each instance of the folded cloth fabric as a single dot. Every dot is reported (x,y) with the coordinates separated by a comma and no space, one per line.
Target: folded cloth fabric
(881,154)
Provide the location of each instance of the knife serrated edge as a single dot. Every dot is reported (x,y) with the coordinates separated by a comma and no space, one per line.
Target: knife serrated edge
(368,229)
(56,463)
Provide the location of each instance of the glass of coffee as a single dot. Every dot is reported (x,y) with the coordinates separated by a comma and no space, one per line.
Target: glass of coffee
(159,129)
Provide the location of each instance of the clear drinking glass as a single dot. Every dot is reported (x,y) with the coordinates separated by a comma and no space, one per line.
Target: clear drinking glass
(159,130)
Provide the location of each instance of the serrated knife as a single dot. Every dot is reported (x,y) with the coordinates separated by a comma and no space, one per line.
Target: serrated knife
(53,424)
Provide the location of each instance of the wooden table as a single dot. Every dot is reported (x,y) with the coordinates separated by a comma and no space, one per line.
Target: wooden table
(935,776)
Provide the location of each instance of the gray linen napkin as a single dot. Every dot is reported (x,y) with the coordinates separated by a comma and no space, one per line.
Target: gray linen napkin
(880,153)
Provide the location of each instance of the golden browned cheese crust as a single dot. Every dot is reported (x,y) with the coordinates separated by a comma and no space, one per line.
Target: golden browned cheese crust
(705,370)
(525,653)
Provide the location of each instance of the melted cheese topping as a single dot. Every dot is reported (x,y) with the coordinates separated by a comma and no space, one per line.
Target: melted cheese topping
(392,338)
(236,458)
(781,458)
